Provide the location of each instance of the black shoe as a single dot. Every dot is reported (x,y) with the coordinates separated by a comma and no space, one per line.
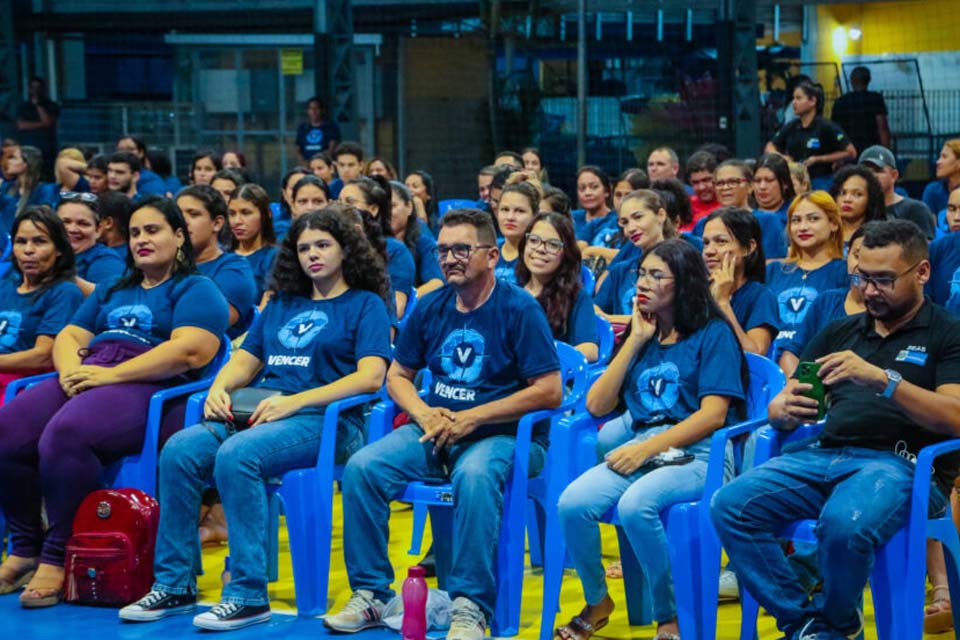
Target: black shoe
(228,616)
(158,604)
(429,564)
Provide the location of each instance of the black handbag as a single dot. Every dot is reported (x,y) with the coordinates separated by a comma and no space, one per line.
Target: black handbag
(244,401)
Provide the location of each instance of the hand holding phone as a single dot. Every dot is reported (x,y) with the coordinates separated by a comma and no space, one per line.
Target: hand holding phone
(807,373)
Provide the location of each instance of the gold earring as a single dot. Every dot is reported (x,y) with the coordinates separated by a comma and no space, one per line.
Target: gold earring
(181,256)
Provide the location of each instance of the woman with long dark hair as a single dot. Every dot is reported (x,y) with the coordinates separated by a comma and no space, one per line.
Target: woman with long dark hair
(518,205)
(324,336)
(205,164)
(550,271)
(24,168)
(422,187)
(415,234)
(159,324)
(251,232)
(595,196)
(673,373)
(860,196)
(40,299)
(733,253)
(283,210)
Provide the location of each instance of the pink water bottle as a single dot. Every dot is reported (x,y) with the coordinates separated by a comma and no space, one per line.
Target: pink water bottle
(414,604)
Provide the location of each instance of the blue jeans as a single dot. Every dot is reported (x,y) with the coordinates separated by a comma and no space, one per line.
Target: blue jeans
(860,498)
(241,464)
(639,497)
(478,471)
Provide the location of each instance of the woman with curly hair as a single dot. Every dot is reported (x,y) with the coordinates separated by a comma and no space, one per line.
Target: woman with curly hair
(323,336)
(550,272)
(860,196)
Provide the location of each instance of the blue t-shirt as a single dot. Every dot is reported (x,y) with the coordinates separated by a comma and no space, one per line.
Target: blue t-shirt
(693,240)
(312,140)
(579,217)
(480,356)
(666,382)
(773,233)
(172,184)
(616,293)
(149,316)
(630,252)
(400,266)
(261,263)
(25,316)
(305,343)
(936,194)
(582,322)
(796,290)
(944,283)
(506,270)
(336,186)
(232,274)
(99,263)
(121,250)
(754,305)
(828,307)
(427,266)
(602,232)
(151,184)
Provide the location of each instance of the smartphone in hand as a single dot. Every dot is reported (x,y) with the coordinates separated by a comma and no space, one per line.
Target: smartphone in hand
(807,373)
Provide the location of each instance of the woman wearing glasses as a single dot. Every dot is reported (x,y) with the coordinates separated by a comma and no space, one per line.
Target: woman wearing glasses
(814,260)
(644,222)
(519,203)
(673,373)
(158,325)
(40,300)
(733,254)
(96,263)
(550,271)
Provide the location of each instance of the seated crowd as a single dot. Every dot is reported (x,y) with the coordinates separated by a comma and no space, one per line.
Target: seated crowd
(123,282)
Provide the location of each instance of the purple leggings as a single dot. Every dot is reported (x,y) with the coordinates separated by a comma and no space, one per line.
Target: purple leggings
(54,448)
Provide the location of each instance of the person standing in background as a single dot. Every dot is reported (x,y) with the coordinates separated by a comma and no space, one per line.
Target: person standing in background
(317,133)
(37,123)
(862,114)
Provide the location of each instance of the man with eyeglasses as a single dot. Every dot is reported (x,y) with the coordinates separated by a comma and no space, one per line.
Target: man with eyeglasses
(892,376)
(492,358)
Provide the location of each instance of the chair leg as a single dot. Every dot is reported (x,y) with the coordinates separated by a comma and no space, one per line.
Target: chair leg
(951,553)
(749,610)
(419,522)
(555,551)
(441,522)
(535,532)
(309,507)
(895,616)
(639,601)
(273,536)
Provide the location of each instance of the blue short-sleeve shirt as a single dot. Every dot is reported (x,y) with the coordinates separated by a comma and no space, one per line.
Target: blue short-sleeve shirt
(773,233)
(754,305)
(25,316)
(602,232)
(582,322)
(666,382)
(261,264)
(944,283)
(796,290)
(428,268)
(149,316)
(480,356)
(99,263)
(630,252)
(305,343)
(506,270)
(400,266)
(232,274)
(616,293)
(828,307)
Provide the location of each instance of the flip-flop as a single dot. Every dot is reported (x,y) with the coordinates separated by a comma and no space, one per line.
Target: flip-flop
(938,615)
(40,598)
(18,581)
(579,626)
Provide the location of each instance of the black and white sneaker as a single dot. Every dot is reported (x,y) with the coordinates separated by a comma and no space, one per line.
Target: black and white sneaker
(228,616)
(158,604)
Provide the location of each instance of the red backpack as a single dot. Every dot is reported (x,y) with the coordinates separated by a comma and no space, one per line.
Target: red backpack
(110,554)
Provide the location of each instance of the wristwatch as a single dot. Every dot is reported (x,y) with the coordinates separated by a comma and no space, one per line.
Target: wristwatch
(893,379)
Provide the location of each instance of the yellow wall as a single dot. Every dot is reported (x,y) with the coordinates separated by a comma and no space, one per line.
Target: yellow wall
(890,27)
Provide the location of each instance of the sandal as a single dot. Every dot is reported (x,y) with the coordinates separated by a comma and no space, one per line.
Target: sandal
(938,615)
(43,591)
(666,636)
(580,628)
(18,578)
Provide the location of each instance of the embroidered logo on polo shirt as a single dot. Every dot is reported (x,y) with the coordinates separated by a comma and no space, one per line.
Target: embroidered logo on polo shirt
(302,329)
(9,327)
(914,355)
(659,387)
(462,355)
(131,316)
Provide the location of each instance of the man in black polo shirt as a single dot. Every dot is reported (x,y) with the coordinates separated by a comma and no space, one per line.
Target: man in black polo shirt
(815,141)
(893,381)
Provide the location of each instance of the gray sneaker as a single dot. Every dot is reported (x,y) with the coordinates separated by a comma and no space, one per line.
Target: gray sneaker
(362,611)
(467,621)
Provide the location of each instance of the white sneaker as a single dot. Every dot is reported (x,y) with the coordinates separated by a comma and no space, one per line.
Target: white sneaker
(362,611)
(729,586)
(467,621)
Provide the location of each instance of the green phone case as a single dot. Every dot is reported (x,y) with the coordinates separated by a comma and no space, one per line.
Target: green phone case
(807,373)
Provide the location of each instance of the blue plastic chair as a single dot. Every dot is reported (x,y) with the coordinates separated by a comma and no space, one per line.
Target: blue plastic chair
(898,582)
(587,279)
(694,545)
(605,333)
(510,547)
(5,262)
(139,471)
(307,497)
